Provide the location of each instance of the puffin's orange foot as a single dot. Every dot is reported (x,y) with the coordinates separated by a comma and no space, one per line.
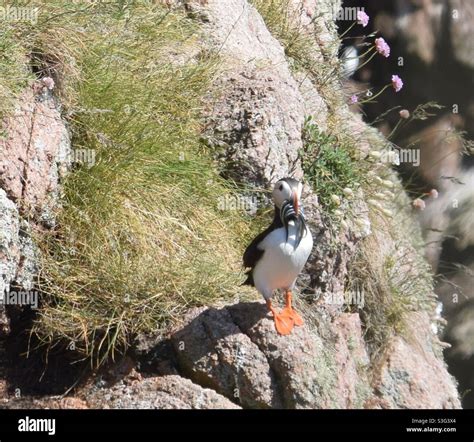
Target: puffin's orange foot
(292,315)
(288,311)
(283,324)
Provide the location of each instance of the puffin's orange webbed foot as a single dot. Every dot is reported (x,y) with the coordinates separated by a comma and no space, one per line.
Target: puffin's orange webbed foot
(292,315)
(289,313)
(283,323)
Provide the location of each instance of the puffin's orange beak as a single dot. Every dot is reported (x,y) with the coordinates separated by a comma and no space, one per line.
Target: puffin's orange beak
(296,203)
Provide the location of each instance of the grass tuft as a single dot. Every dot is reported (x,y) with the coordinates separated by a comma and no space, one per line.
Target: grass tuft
(393,278)
(139,236)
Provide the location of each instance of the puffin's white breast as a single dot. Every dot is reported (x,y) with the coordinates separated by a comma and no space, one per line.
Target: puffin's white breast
(281,263)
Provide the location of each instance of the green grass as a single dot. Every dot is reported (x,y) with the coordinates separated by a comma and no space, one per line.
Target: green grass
(139,237)
(14,73)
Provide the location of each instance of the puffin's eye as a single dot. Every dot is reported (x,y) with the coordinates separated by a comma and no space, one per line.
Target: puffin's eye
(281,187)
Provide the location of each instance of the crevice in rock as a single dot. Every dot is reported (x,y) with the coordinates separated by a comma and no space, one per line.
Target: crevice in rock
(24,177)
(32,369)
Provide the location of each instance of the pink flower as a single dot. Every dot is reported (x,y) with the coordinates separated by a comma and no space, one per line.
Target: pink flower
(434,193)
(397,83)
(48,82)
(382,47)
(362,18)
(419,204)
(354,99)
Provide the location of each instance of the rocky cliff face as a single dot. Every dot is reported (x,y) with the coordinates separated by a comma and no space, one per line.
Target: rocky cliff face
(431,38)
(34,156)
(230,356)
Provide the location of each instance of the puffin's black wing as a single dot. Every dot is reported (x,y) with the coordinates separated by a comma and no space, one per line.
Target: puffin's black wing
(252,254)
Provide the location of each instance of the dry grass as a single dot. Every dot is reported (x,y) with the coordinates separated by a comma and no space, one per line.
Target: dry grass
(283,20)
(308,55)
(139,236)
(393,277)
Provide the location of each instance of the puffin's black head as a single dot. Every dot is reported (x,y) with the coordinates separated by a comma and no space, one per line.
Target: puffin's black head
(286,196)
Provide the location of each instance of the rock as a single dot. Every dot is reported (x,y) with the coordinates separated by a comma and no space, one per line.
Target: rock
(213,352)
(9,253)
(34,156)
(236,351)
(256,137)
(28,265)
(157,393)
(255,122)
(48,402)
(164,392)
(73,403)
(352,362)
(3,387)
(304,369)
(412,375)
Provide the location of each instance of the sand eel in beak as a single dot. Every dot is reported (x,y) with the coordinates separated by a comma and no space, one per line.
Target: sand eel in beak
(278,254)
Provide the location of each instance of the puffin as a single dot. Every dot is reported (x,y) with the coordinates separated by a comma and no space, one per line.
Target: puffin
(277,255)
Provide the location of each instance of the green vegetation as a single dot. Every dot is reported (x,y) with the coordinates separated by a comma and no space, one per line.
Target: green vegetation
(328,165)
(139,237)
(14,74)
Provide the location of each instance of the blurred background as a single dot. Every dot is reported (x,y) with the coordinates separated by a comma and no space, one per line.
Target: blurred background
(432,50)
